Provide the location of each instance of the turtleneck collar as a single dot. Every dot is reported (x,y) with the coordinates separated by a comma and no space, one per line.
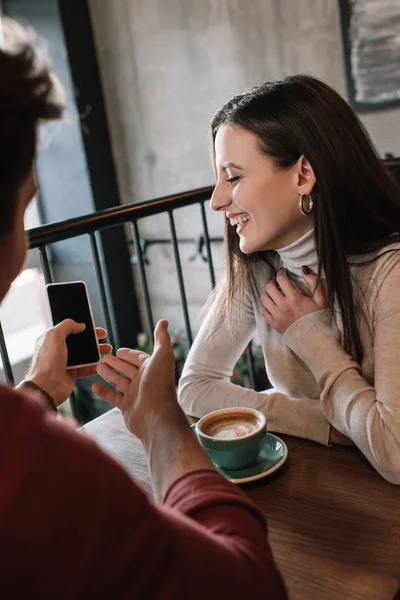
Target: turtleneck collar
(298,253)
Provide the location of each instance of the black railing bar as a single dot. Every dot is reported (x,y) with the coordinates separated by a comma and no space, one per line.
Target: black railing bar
(63,230)
(145,242)
(143,280)
(390,160)
(44,259)
(250,358)
(7,368)
(180,277)
(75,408)
(200,241)
(102,288)
(208,245)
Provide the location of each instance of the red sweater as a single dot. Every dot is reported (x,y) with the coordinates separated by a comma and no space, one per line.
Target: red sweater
(74,525)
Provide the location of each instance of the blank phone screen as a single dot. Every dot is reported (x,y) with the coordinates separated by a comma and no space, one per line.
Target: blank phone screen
(70,301)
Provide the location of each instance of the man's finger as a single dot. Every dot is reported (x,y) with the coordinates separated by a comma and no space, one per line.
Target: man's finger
(101,333)
(116,379)
(121,366)
(161,336)
(110,396)
(135,357)
(105,348)
(68,327)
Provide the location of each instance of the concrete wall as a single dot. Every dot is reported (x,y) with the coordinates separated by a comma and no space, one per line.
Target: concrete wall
(168,65)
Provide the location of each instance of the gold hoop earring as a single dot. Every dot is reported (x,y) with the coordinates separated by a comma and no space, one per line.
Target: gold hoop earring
(310,204)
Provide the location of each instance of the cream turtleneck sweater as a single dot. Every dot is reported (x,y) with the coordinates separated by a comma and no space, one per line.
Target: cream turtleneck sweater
(315,382)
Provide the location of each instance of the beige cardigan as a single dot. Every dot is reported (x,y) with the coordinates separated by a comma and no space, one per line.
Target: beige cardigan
(315,382)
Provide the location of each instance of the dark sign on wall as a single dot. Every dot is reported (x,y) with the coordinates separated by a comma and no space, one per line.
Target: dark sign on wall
(371,39)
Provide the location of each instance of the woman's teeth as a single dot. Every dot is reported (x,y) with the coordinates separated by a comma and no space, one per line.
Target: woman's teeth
(239,220)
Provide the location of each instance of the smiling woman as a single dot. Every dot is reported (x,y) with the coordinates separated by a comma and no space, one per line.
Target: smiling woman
(313,264)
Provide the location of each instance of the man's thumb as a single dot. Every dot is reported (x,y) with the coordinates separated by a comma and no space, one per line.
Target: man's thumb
(69,326)
(161,335)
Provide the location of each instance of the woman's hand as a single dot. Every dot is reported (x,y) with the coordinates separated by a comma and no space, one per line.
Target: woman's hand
(48,369)
(335,437)
(284,304)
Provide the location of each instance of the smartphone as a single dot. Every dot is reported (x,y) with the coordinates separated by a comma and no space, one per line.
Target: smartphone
(70,300)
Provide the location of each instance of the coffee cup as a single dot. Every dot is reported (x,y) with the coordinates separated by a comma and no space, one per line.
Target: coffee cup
(232,437)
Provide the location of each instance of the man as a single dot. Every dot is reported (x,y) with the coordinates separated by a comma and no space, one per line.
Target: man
(73,524)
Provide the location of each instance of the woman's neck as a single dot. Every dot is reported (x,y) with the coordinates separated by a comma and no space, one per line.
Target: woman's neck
(299,253)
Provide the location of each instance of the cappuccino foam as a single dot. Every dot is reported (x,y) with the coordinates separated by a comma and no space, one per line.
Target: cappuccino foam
(231,426)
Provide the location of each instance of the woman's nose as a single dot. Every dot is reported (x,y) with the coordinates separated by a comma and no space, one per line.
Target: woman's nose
(220,200)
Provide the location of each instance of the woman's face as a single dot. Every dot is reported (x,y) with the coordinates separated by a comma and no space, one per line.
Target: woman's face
(257,197)
(13,245)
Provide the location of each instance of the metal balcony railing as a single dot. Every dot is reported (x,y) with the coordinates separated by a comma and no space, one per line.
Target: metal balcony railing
(41,238)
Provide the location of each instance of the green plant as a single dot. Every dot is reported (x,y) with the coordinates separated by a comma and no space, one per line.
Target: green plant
(241,371)
(242,366)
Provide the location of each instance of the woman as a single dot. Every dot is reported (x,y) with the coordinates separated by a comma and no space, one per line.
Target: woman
(312,236)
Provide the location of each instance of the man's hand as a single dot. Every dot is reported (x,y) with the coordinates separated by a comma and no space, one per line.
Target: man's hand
(48,369)
(145,384)
(146,396)
(284,304)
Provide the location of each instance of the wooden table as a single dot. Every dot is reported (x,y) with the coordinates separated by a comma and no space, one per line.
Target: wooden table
(334,523)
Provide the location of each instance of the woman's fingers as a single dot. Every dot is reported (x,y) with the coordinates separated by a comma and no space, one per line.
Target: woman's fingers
(273,292)
(267,316)
(268,303)
(315,285)
(116,379)
(110,396)
(285,284)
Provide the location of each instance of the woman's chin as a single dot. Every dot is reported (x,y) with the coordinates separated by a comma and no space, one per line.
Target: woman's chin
(247,247)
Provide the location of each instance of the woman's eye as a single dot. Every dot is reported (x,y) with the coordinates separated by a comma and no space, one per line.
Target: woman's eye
(233,179)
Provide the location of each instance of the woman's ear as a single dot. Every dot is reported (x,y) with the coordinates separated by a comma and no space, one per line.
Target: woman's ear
(306,179)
